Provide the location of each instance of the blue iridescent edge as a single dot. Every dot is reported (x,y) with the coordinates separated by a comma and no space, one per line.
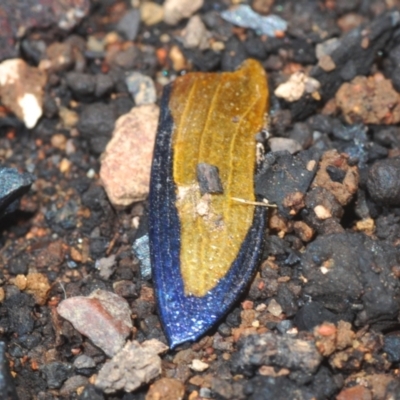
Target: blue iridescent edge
(186,318)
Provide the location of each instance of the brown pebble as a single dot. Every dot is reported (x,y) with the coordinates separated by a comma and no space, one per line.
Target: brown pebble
(247,305)
(166,389)
(369,100)
(350,21)
(345,190)
(51,255)
(59,141)
(355,393)
(303,231)
(262,7)
(38,286)
(326,63)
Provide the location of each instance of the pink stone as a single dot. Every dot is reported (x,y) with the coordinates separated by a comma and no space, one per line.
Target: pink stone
(126,162)
(104,317)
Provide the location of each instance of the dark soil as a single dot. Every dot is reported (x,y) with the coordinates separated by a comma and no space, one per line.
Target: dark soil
(320,320)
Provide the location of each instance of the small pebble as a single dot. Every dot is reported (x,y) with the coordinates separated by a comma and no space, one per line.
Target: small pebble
(297,85)
(274,308)
(195,35)
(128,25)
(176,10)
(383,182)
(326,48)
(244,16)
(135,365)
(141,249)
(198,365)
(106,266)
(81,84)
(21,90)
(142,88)
(151,13)
(322,213)
(84,361)
(69,118)
(38,286)
(281,144)
(72,385)
(166,389)
(262,6)
(95,44)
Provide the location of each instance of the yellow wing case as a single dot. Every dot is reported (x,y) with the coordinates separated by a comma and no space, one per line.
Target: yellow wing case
(204,248)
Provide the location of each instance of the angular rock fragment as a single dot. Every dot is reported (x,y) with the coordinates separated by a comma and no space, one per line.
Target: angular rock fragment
(278,351)
(21,90)
(103,317)
(135,365)
(343,189)
(12,186)
(126,163)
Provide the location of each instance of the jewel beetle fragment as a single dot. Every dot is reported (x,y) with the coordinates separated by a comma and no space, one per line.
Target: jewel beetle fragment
(204,247)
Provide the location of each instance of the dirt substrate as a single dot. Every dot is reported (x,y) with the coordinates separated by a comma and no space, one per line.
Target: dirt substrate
(320,319)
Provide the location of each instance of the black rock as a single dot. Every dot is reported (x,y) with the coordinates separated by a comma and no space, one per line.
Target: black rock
(284,176)
(18,264)
(96,124)
(90,392)
(82,85)
(313,314)
(324,384)
(280,388)
(255,47)
(234,54)
(19,308)
(351,272)
(104,85)
(282,351)
(205,61)
(384,182)
(13,185)
(56,373)
(302,134)
(128,25)
(98,247)
(287,301)
(7,388)
(391,346)
(303,52)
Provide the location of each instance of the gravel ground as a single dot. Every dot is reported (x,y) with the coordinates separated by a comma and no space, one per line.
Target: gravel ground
(80,89)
